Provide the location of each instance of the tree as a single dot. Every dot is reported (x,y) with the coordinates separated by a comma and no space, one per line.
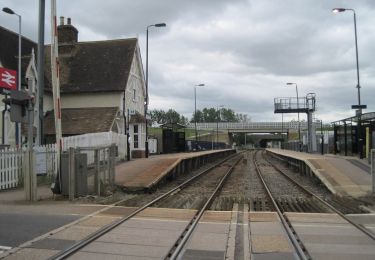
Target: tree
(171,116)
(207,115)
(242,118)
(228,115)
(197,117)
(157,116)
(184,120)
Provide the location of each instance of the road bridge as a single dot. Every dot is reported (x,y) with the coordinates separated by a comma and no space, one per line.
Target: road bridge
(252,127)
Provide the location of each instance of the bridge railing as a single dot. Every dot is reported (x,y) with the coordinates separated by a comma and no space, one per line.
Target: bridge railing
(250,125)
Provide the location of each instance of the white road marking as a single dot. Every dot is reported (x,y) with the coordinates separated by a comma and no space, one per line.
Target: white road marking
(4,248)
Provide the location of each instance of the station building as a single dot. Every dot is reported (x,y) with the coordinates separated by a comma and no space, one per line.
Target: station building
(102,86)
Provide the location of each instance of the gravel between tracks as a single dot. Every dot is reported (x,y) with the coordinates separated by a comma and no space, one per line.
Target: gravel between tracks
(243,186)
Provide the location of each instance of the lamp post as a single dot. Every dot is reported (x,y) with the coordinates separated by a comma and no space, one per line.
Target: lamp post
(195,113)
(146,98)
(10,11)
(299,127)
(359,106)
(322,137)
(282,130)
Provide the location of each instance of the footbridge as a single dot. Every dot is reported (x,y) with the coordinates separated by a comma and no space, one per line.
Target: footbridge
(252,127)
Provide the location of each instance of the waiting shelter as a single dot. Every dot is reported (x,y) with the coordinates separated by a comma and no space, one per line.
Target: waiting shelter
(355,136)
(173,138)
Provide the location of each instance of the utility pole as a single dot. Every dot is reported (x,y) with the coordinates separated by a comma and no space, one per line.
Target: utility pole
(40,64)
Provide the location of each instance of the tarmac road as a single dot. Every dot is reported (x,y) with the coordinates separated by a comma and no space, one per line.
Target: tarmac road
(17,228)
(21,221)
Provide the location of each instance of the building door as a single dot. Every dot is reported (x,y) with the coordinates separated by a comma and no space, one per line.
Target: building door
(180,141)
(168,141)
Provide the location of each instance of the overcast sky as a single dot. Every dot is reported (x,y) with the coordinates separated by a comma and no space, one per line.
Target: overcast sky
(244,51)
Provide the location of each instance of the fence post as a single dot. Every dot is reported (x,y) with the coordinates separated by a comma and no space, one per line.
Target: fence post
(97,170)
(71,174)
(30,181)
(112,159)
(373,169)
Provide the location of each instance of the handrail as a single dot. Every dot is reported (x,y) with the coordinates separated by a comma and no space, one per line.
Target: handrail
(252,125)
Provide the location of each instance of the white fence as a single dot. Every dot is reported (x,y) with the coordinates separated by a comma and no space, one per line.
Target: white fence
(10,168)
(45,160)
(11,171)
(96,140)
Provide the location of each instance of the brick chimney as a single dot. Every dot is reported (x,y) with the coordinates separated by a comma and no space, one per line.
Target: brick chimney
(67,33)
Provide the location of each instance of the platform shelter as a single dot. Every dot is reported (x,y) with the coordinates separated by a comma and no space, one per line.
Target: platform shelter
(355,135)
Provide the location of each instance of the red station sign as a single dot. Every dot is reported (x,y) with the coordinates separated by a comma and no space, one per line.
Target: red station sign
(8,79)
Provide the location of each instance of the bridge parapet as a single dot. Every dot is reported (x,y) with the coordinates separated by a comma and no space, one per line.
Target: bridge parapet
(277,126)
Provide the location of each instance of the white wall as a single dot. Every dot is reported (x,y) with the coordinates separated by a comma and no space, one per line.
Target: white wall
(47,103)
(135,82)
(105,99)
(10,125)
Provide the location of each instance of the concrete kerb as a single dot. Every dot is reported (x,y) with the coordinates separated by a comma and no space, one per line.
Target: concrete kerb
(164,174)
(175,168)
(311,168)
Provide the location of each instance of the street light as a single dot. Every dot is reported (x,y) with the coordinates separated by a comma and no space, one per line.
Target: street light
(282,129)
(146,98)
(322,137)
(10,11)
(340,10)
(195,113)
(359,106)
(299,127)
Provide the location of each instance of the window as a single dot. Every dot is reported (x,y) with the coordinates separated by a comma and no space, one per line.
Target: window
(135,137)
(134,95)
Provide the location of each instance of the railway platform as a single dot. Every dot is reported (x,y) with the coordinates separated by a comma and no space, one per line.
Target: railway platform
(147,173)
(236,234)
(343,176)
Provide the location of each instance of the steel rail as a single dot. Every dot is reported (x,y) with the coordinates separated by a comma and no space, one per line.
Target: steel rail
(325,203)
(194,222)
(80,244)
(300,252)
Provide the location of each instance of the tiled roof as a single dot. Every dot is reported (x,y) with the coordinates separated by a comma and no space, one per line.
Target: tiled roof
(77,121)
(92,66)
(137,118)
(9,48)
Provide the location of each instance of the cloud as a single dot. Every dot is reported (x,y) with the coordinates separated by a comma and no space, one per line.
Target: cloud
(243,50)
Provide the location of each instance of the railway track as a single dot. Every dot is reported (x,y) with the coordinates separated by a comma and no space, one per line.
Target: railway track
(227,165)
(289,196)
(264,168)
